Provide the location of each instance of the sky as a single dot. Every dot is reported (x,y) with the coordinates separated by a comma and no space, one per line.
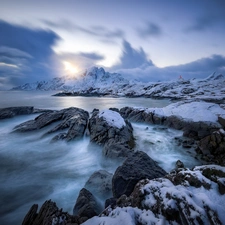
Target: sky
(146,40)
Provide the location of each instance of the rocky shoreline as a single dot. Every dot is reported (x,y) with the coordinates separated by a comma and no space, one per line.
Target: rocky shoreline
(139,187)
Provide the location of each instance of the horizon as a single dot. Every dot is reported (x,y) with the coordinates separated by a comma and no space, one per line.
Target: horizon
(143,40)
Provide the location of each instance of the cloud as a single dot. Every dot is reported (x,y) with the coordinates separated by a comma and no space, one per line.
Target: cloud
(202,24)
(92,55)
(97,31)
(134,64)
(132,58)
(25,54)
(149,30)
(81,60)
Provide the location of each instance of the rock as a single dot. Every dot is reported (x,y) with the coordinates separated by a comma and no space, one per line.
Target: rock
(213,145)
(39,122)
(31,215)
(179,164)
(136,167)
(188,90)
(49,214)
(105,131)
(116,151)
(14,111)
(100,184)
(221,120)
(86,205)
(75,120)
(185,197)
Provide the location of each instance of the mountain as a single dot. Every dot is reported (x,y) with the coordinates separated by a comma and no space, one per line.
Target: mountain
(93,78)
(96,81)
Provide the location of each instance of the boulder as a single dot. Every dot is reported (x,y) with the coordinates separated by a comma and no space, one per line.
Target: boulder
(136,167)
(116,151)
(109,127)
(75,120)
(74,123)
(86,205)
(100,184)
(212,147)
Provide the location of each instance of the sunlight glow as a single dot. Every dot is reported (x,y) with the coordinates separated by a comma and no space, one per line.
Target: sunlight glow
(70,68)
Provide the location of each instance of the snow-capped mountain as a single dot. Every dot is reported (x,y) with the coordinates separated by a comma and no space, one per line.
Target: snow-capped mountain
(97,81)
(93,78)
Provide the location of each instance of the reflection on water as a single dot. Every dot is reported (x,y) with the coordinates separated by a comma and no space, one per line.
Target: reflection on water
(42,99)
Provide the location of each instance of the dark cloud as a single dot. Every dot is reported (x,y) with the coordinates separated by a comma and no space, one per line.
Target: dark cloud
(149,30)
(132,58)
(211,16)
(92,55)
(135,65)
(25,54)
(97,31)
(202,23)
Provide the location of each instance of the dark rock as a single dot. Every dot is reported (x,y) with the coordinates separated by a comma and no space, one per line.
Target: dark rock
(136,167)
(179,164)
(100,184)
(188,90)
(31,215)
(101,132)
(213,145)
(86,205)
(116,151)
(49,214)
(110,202)
(221,120)
(14,111)
(39,122)
(75,120)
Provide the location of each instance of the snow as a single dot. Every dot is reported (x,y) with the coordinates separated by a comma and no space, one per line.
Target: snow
(97,80)
(112,118)
(162,191)
(195,111)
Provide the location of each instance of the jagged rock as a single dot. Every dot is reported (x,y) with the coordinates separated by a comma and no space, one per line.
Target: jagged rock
(136,167)
(14,111)
(49,214)
(100,184)
(86,205)
(179,164)
(73,119)
(31,215)
(39,122)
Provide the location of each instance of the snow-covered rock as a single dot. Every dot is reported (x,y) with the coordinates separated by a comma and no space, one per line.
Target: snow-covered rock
(182,197)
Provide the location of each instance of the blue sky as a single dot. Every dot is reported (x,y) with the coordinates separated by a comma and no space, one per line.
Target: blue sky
(147,40)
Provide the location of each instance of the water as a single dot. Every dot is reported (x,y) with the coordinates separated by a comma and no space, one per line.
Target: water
(33,170)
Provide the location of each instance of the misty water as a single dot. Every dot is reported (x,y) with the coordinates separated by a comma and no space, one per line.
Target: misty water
(33,170)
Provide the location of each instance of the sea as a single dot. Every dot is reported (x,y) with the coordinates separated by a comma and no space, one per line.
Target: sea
(33,170)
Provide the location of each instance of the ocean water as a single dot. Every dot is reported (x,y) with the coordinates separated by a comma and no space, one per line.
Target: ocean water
(33,170)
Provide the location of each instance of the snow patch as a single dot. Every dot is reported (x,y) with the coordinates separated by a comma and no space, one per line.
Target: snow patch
(113,118)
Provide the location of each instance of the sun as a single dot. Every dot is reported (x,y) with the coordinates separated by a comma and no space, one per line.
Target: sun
(70,68)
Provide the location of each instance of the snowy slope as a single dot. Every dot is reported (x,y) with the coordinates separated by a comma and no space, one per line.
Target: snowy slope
(98,81)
